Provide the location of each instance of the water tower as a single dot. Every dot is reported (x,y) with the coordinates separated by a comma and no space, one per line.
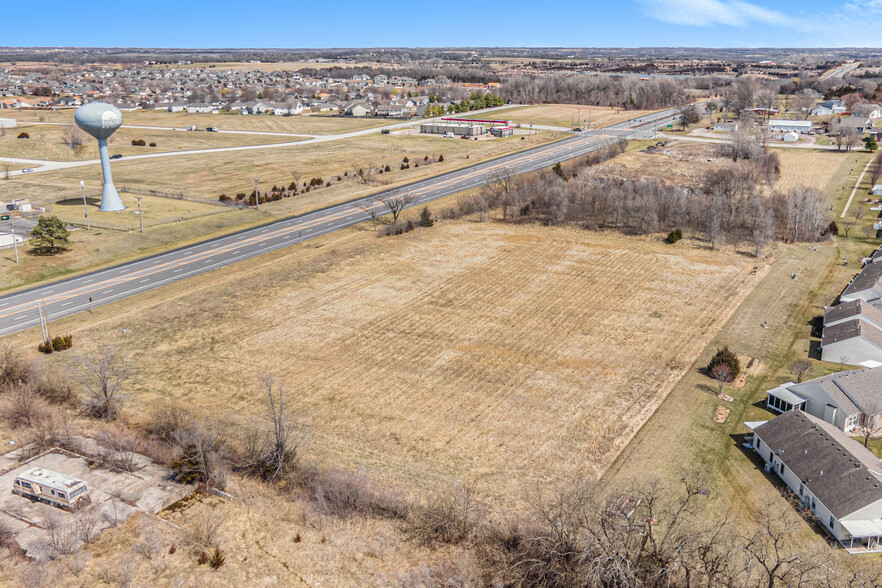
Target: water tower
(100,120)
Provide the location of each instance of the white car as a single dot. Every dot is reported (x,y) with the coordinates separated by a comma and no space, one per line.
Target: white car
(448,135)
(27,170)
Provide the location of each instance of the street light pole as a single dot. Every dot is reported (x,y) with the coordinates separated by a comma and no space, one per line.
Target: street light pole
(256,197)
(85,208)
(15,244)
(140,220)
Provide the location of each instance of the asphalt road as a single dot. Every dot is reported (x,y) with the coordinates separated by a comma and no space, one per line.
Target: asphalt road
(19,311)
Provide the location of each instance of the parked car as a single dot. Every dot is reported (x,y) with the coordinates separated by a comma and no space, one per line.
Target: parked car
(211,129)
(116,156)
(27,170)
(191,128)
(385,132)
(449,135)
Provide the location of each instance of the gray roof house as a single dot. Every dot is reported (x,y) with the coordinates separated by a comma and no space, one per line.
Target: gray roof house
(865,286)
(843,399)
(833,475)
(853,334)
(859,123)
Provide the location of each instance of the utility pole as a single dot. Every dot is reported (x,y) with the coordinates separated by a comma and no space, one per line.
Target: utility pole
(15,244)
(140,220)
(85,208)
(256,197)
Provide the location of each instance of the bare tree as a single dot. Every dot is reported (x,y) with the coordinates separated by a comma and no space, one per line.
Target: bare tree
(396,204)
(119,447)
(803,101)
(722,374)
(104,378)
(871,421)
(501,186)
(275,455)
(371,212)
(851,136)
(876,168)
(73,136)
(365,174)
(87,521)
(800,368)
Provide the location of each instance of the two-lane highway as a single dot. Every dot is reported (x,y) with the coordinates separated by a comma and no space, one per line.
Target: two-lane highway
(19,311)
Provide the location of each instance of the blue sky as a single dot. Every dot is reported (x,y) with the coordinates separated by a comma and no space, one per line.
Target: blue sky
(346,23)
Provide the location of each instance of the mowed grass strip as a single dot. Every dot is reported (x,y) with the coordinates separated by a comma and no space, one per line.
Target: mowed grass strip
(506,355)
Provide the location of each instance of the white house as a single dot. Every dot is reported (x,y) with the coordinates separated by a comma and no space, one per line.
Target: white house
(844,399)
(828,108)
(790,137)
(177,106)
(201,108)
(877,190)
(727,127)
(834,476)
(787,126)
(856,341)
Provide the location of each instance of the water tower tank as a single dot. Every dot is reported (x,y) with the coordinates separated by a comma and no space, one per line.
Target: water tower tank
(100,120)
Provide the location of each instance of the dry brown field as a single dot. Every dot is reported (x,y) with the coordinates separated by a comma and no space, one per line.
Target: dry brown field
(208,175)
(810,167)
(417,359)
(563,115)
(48,142)
(305,124)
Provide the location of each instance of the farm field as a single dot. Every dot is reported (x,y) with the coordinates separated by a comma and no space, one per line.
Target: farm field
(788,306)
(414,358)
(47,142)
(562,115)
(210,174)
(309,124)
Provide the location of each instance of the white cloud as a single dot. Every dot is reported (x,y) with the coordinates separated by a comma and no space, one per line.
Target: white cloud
(705,13)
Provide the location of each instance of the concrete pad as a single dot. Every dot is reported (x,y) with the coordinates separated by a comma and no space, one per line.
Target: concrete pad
(115,496)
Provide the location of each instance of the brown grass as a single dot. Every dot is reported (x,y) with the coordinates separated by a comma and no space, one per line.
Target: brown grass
(306,124)
(47,142)
(417,358)
(562,115)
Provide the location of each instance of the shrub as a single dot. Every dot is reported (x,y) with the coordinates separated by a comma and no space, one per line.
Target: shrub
(405,160)
(409,226)
(224,198)
(217,559)
(725,356)
(426,219)
(832,229)
(416,165)
(674,236)
(139,142)
(23,135)
(153,144)
(201,557)
(387,168)
(440,158)
(339,178)
(62,342)
(558,169)
(50,236)
(405,166)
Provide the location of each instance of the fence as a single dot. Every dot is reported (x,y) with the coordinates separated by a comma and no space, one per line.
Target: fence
(171,195)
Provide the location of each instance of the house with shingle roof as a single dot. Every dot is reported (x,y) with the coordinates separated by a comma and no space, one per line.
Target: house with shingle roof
(831,474)
(847,400)
(853,334)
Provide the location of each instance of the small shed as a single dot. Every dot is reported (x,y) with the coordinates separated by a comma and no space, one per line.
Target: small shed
(877,190)
(790,137)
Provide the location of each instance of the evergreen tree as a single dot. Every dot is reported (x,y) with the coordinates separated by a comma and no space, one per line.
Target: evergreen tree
(50,236)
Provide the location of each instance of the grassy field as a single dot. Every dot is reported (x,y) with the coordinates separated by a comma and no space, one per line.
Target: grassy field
(682,436)
(415,358)
(309,124)
(562,115)
(47,142)
(209,175)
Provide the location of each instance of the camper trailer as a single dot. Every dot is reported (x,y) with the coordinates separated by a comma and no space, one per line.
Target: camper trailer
(52,488)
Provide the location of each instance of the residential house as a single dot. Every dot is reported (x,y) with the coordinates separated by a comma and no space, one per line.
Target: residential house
(832,475)
(357,109)
(852,334)
(727,127)
(199,107)
(858,123)
(867,110)
(865,285)
(844,399)
(177,106)
(828,108)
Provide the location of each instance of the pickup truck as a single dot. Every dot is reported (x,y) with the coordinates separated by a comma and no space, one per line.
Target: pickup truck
(211,129)
(191,128)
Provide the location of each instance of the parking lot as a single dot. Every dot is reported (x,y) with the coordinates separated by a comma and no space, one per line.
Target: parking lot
(115,496)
